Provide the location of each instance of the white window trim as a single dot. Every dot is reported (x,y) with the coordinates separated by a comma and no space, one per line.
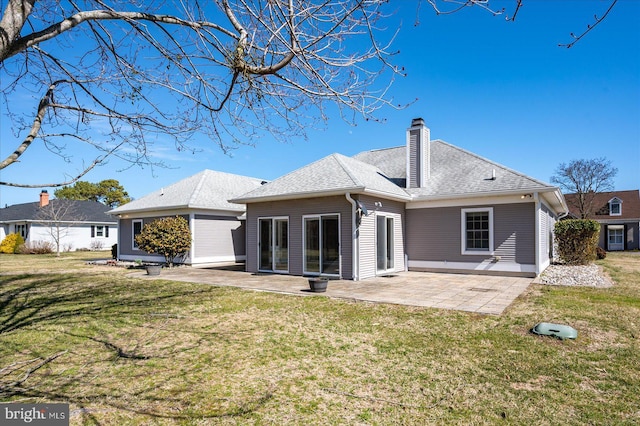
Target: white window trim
(304,244)
(463,231)
(619,228)
(133,235)
(617,201)
(396,220)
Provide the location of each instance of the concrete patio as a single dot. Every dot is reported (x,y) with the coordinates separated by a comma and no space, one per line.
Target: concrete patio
(483,294)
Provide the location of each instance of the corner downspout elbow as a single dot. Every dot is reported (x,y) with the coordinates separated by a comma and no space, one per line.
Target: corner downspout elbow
(354,233)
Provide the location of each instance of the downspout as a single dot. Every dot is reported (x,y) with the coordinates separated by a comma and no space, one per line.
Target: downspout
(355,262)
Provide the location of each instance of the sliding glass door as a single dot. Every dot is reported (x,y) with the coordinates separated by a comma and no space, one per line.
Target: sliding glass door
(274,244)
(322,245)
(384,243)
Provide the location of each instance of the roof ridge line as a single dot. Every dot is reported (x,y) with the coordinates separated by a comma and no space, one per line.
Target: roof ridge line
(346,169)
(198,187)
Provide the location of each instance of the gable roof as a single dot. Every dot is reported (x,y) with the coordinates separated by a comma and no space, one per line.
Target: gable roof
(78,211)
(208,189)
(331,175)
(630,205)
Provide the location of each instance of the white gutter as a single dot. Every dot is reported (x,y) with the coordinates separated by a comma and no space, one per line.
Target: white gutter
(355,264)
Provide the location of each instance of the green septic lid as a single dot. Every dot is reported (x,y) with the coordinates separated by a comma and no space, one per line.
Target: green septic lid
(557,330)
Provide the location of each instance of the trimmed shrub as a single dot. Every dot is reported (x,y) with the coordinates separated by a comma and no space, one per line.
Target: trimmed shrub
(11,244)
(600,253)
(577,240)
(114,251)
(169,236)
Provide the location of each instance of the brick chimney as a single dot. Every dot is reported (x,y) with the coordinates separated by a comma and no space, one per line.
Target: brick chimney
(44,198)
(418,154)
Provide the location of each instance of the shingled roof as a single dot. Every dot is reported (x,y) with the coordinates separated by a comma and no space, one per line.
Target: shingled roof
(630,205)
(208,189)
(454,173)
(331,175)
(78,211)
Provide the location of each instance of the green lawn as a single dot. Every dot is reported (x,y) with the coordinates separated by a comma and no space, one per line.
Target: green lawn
(129,351)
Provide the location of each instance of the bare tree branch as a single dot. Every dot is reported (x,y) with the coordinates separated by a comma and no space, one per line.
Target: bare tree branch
(118,76)
(221,70)
(598,20)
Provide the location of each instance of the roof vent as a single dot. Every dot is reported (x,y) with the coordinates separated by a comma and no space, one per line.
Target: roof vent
(493,174)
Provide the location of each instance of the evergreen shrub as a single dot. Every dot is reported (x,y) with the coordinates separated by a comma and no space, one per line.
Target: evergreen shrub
(577,240)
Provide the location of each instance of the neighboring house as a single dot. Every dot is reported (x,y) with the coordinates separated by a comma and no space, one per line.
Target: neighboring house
(217,226)
(427,205)
(76,224)
(619,215)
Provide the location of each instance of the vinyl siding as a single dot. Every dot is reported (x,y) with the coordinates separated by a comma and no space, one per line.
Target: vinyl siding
(73,237)
(367,235)
(435,234)
(218,238)
(295,210)
(546,226)
(414,158)
(125,240)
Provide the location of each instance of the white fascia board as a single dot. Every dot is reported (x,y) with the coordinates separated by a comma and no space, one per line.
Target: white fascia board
(139,214)
(218,212)
(617,221)
(144,210)
(469,201)
(70,222)
(299,195)
(387,195)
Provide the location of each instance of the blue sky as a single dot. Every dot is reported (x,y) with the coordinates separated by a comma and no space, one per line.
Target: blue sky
(503,90)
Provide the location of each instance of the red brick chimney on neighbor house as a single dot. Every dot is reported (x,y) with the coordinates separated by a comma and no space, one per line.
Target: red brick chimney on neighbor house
(44,198)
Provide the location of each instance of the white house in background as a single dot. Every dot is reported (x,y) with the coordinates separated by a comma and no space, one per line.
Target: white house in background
(77,224)
(217,226)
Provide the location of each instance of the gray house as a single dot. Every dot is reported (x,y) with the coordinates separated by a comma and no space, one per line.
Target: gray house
(427,206)
(217,225)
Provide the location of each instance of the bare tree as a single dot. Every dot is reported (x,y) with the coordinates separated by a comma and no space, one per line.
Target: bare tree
(59,216)
(118,76)
(585,178)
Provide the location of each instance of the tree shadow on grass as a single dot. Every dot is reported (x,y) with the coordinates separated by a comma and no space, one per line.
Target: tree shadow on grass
(64,302)
(27,300)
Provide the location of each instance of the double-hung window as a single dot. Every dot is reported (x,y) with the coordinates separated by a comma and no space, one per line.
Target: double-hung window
(136,230)
(477,231)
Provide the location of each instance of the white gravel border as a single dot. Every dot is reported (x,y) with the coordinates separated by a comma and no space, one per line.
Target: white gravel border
(578,275)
